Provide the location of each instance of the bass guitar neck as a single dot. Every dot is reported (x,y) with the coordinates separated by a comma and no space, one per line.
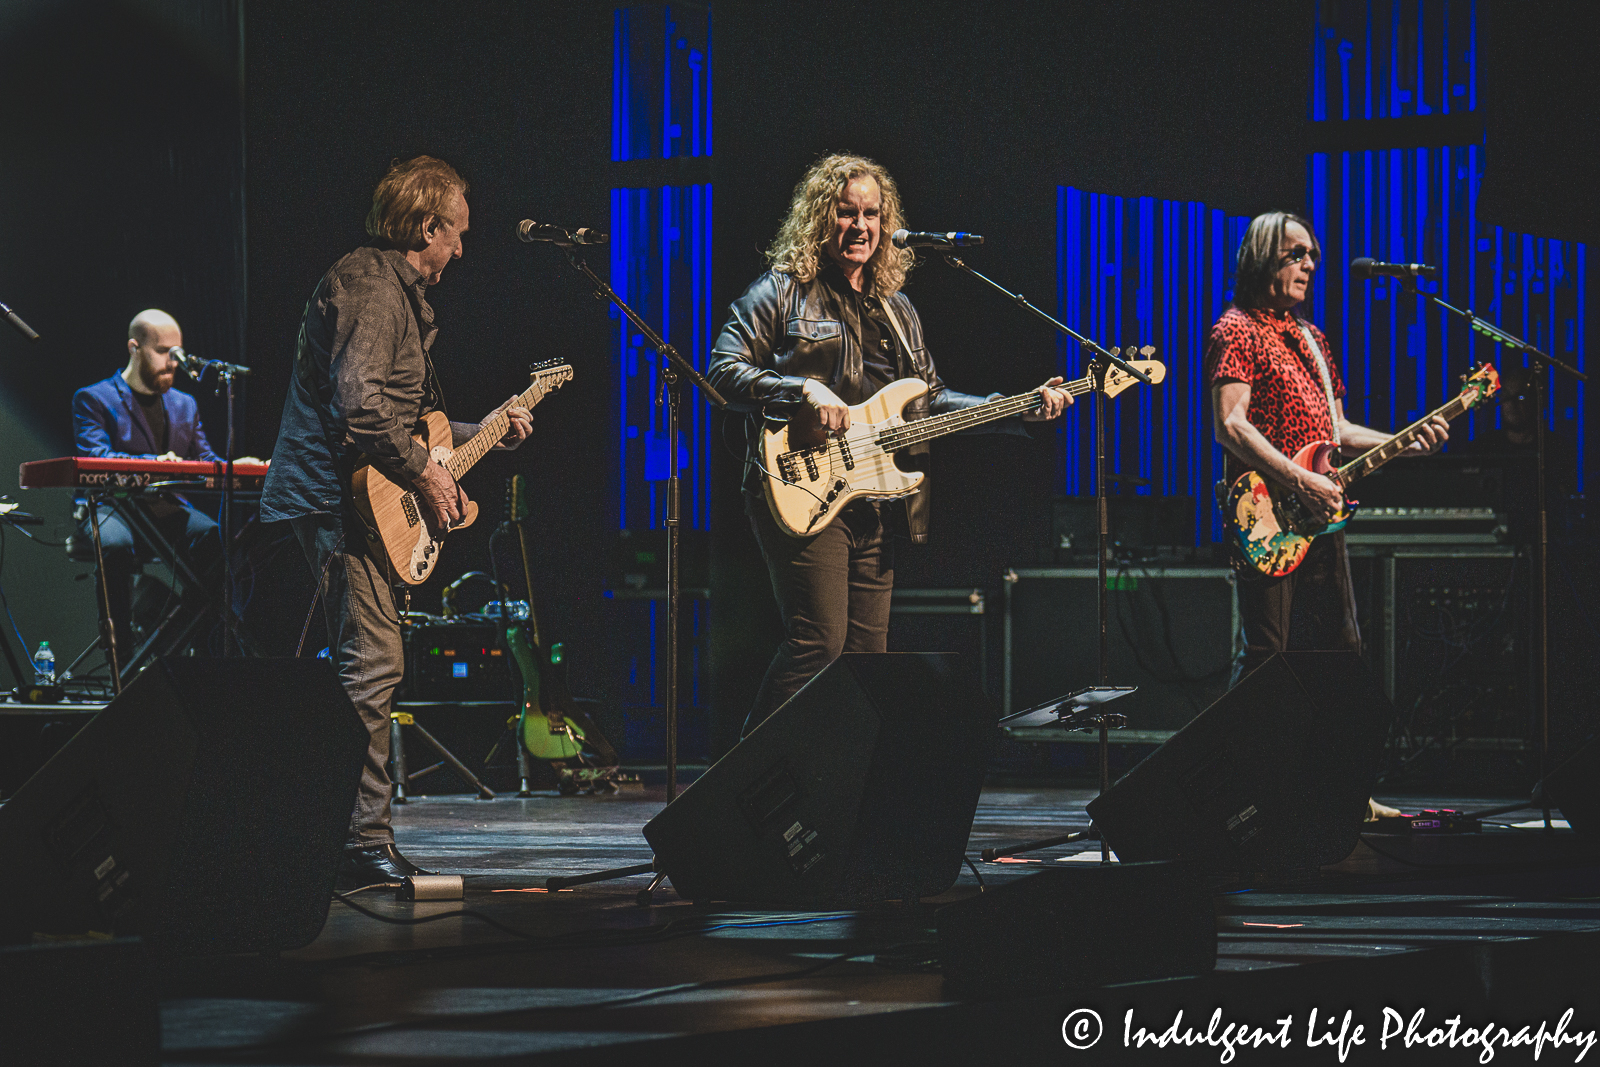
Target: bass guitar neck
(811,477)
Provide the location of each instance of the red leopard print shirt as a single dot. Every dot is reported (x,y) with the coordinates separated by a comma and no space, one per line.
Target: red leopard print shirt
(1265,349)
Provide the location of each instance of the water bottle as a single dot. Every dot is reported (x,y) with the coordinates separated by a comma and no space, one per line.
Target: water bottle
(44,665)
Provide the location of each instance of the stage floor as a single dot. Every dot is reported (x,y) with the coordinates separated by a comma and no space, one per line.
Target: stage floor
(1499,926)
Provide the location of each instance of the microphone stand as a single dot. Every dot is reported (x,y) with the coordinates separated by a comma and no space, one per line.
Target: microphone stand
(1101,361)
(673,369)
(224,375)
(1537,362)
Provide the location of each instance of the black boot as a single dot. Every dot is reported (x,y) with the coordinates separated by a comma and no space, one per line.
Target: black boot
(374,865)
(400,861)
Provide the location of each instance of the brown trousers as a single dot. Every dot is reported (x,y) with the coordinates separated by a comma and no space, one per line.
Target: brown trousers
(1311,608)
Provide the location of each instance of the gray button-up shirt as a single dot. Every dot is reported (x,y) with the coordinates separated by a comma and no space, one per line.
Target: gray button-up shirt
(362,381)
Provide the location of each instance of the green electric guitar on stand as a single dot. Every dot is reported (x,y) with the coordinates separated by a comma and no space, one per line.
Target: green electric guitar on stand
(550,726)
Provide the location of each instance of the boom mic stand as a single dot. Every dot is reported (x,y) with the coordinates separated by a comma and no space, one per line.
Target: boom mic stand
(674,369)
(1537,362)
(1101,361)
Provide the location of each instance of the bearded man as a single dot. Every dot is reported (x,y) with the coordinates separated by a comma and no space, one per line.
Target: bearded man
(136,414)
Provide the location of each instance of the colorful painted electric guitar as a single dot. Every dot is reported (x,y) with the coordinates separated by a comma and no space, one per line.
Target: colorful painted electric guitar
(1272,529)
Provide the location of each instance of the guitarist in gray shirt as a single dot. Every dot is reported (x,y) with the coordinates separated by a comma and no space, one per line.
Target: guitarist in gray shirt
(362,381)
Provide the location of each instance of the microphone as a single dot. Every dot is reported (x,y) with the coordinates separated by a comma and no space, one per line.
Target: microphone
(1366,267)
(16,320)
(197,366)
(531,231)
(953,239)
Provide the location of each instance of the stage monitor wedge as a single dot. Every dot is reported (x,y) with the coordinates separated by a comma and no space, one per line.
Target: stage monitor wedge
(1574,787)
(1274,775)
(861,787)
(204,810)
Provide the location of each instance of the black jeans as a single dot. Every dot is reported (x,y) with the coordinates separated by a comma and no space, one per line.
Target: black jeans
(833,590)
(1312,607)
(364,633)
(187,529)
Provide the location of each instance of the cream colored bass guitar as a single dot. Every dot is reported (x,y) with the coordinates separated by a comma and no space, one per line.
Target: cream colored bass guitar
(394,513)
(811,476)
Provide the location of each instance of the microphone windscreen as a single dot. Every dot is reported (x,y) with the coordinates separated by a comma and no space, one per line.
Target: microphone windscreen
(898,239)
(1361,268)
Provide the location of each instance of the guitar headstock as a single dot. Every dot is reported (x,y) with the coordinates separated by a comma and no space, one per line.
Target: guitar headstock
(548,376)
(1119,380)
(1480,385)
(516,499)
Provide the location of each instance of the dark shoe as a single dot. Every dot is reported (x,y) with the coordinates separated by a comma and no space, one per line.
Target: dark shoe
(376,865)
(363,867)
(394,857)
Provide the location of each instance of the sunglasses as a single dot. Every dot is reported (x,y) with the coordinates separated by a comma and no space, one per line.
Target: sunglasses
(1300,253)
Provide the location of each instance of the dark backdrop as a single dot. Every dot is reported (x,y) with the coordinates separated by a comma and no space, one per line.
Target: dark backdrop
(979,111)
(121,184)
(517,98)
(126,124)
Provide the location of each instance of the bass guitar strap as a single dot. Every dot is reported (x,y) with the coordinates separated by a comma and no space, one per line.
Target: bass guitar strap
(899,331)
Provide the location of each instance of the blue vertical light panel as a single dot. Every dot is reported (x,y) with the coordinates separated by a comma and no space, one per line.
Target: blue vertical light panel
(661,249)
(1137,271)
(661,265)
(1402,355)
(1382,59)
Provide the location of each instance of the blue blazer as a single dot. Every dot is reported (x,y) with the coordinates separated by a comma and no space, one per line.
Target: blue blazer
(107,422)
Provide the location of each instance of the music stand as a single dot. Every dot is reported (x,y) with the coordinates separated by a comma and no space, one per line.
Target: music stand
(1100,363)
(1084,711)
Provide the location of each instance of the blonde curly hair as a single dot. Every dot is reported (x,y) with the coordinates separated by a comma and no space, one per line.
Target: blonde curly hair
(798,248)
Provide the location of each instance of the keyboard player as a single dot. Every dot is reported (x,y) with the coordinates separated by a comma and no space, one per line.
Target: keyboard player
(136,413)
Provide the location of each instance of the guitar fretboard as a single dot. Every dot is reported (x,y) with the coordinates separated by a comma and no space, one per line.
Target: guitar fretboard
(492,429)
(911,433)
(1374,458)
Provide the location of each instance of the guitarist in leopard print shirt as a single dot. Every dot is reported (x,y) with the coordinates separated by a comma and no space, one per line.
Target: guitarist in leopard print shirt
(1274,389)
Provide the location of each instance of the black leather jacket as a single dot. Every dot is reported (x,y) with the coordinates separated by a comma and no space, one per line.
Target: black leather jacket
(781,332)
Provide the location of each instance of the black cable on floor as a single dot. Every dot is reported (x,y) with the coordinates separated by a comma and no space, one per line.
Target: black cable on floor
(586,938)
(975,874)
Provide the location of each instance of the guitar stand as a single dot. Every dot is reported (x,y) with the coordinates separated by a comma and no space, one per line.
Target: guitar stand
(397,759)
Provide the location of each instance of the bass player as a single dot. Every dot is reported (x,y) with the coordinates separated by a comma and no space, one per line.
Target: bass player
(824,328)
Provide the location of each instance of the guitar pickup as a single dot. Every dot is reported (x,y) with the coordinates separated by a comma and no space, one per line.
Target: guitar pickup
(844,453)
(786,469)
(811,464)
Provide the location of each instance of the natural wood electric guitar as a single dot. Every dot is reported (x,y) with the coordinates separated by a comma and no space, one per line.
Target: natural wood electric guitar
(395,514)
(1272,530)
(810,476)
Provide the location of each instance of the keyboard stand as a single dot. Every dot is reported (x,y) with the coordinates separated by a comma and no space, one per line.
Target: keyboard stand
(185,617)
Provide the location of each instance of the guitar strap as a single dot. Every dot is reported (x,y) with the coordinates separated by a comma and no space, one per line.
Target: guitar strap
(899,331)
(1327,378)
